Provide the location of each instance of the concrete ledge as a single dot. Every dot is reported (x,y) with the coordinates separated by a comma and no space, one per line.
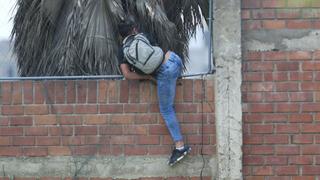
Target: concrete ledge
(101,166)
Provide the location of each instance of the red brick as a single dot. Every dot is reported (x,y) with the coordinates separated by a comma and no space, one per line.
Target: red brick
(158,130)
(39,93)
(71,92)
(273,3)
(188,91)
(124,91)
(12,110)
(251,25)
(276,139)
(95,119)
(134,96)
(253,76)
(253,139)
(288,13)
(146,119)
(262,170)
(301,96)
(262,150)
(286,170)
(310,128)
(260,66)
(295,3)
(148,140)
(62,109)
(73,140)
(302,139)
(6,89)
(59,151)
(10,151)
(311,66)
(261,87)
(254,178)
(111,108)
(50,178)
(273,24)
(287,150)
(263,14)
(60,88)
(70,120)
(310,170)
(35,152)
(36,131)
(27,92)
(113,92)
(23,141)
(261,129)
(186,108)
(288,66)
(111,130)
(252,56)
(45,120)
(259,108)
(21,121)
(251,4)
(252,97)
(287,128)
(299,24)
(85,150)
(198,139)
(86,130)
(301,76)
(300,55)
(86,109)
(61,131)
(135,108)
(276,97)
(36,110)
(276,76)
(301,160)
(120,140)
(310,86)
(145,89)
(304,178)
(11,131)
(5,141)
(48,141)
(92,91)
(253,160)
(311,150)
(82,88)
(287,86)
(135,130)
(122,119)
(16,93)
(287,107)
(276,160)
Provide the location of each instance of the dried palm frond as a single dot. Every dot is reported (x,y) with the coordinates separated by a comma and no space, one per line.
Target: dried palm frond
(80,37)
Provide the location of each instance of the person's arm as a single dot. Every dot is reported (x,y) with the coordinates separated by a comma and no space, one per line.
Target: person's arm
(125,69)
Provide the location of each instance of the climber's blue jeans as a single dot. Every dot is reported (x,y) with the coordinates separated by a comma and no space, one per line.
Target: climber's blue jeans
(167,76)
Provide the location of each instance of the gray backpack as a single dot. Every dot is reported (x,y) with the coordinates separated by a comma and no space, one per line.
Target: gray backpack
(141,54)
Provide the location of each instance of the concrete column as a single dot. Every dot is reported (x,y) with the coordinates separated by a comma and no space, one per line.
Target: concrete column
(227,52)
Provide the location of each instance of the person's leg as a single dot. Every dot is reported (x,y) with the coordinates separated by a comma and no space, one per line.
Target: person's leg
(167,80)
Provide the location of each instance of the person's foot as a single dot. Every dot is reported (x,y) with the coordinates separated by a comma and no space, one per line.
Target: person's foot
(178,155)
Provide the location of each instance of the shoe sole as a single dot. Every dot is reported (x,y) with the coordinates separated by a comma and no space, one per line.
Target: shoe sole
(179,159)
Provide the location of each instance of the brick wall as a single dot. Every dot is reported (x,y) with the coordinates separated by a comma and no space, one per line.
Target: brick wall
(280,14)
(104,117)
(281,91)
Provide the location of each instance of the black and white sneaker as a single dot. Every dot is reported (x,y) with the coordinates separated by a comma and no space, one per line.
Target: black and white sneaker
(178,155)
